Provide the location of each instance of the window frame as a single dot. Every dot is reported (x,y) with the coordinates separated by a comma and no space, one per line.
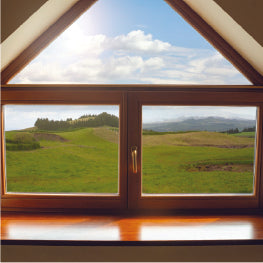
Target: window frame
(130,98)
(194,96)
(61,95)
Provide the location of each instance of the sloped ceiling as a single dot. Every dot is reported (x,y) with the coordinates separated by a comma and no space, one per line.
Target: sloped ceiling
(246,13)
(41,16)
(231,22)
(15,12)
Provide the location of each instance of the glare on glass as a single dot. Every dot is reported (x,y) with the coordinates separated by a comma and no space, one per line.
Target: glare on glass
(198,149)
(61,149)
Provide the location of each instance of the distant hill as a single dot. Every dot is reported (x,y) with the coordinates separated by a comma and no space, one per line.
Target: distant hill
(217,124)
(85,121)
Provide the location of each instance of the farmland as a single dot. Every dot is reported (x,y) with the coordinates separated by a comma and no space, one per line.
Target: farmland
(85,160)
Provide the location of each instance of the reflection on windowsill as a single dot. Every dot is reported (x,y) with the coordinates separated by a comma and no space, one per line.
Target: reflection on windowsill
(206,232)
(138,228)
(49,232)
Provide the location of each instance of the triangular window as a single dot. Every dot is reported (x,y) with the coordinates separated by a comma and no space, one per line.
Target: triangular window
(130,42)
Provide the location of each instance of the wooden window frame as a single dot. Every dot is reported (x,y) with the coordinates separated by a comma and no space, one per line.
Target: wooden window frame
(66,96)
(193,96)
(131,98)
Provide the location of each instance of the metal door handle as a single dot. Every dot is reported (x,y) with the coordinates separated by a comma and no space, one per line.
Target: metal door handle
(134,153)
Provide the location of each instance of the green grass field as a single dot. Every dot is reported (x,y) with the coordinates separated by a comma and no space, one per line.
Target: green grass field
(81,162)
(86,160)
(245,134)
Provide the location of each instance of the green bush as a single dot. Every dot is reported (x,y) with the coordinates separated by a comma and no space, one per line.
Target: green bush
(24,137)
(22,146)
(22,141)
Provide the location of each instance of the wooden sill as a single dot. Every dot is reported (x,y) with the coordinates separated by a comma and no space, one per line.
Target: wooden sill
(96,230)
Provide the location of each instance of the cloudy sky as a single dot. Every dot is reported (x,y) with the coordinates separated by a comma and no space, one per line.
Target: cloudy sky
(127,42)
(124,41)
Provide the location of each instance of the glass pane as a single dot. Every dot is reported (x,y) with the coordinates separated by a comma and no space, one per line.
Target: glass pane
(130,42)
(62,149)
(198,149)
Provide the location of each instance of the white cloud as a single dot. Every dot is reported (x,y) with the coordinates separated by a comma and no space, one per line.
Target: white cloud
(154,63)
(132,58)
(138,41)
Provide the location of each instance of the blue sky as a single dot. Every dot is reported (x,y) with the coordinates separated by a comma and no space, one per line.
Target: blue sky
(116,17)
(130,41)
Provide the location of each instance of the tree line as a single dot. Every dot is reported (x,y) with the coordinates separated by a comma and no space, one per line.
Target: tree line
(236,130)
(85,121)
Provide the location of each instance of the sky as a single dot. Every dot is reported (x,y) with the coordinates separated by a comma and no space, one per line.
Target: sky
(127,42)
(24,116)
(18,117)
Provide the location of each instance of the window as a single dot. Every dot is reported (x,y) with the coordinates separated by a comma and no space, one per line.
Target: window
(167,163)
(133,107)
(127,153)
(62,156)
(196,150)
(112,167)
(136,50)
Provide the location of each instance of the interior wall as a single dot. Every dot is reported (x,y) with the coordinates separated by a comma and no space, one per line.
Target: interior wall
(247,13)
(31,253)
(43,18)
(16,12)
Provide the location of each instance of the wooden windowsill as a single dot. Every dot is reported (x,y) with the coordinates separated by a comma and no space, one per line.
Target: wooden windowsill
(58,229)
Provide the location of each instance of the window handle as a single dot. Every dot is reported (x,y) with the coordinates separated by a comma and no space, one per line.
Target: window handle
(134,153)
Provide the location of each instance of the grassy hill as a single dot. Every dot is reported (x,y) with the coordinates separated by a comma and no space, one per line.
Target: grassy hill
(86,161)
(77,161)
(202,138)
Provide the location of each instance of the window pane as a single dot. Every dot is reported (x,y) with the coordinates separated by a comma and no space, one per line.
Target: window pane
(62,149)
(198,149)
(130,42)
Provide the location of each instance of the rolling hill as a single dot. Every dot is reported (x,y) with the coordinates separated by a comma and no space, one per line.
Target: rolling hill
(86,161)
(216,124)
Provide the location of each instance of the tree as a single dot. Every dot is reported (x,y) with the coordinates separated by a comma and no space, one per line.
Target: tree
(103,119)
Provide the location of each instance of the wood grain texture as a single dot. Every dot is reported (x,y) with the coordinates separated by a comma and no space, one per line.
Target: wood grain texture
(3,181)
(217,41)
(134,179)
(52,94)
(136,230)
(260,155)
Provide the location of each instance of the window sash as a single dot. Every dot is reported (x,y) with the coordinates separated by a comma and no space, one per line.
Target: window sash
(130,98)
(67,96)
(194,96)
